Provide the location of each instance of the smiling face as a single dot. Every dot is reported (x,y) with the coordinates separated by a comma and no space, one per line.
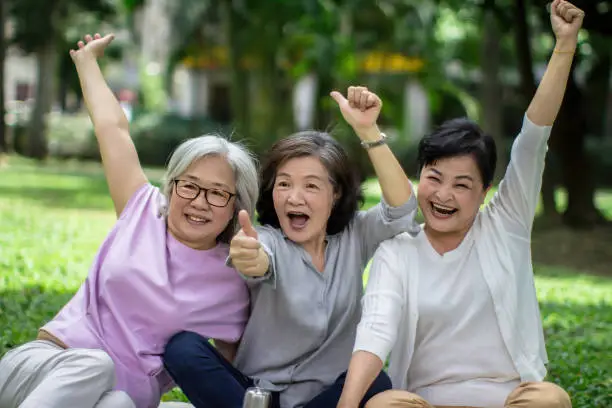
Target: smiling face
(195,222)
(450,193)
(303,199)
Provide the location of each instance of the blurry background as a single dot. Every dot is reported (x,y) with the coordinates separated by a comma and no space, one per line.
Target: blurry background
(259,70)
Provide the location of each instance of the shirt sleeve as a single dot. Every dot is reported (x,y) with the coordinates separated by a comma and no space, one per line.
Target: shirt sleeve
(383,302)
(516,199)
(268,237)
(146,201)
(382,222)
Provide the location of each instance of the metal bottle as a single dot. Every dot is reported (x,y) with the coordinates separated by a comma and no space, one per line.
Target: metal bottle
(256,397)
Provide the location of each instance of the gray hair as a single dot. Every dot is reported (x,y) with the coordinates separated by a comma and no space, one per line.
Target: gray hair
(240,159)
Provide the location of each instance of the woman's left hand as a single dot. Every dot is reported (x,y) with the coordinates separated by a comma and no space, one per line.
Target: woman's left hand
(360,108)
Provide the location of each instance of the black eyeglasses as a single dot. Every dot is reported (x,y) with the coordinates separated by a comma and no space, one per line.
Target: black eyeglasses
(214,196)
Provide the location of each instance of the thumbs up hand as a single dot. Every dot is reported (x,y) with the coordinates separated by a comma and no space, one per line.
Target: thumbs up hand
(360,108)
(246,253)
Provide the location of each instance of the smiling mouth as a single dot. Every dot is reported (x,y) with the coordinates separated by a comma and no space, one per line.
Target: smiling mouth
(193,219)
(442,210)
(297,220)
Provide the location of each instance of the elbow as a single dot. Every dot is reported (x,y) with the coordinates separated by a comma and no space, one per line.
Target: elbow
(111,125)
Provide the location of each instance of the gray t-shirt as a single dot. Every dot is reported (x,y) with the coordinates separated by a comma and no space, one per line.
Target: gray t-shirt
(301,332)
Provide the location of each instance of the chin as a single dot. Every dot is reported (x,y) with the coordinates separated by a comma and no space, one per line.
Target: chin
(441,226)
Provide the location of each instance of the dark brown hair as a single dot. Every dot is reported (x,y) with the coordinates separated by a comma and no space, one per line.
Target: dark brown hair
(334,158)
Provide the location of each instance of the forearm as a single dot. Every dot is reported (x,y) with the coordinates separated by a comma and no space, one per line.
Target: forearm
(363,370)
(102,105)
(547,101)
(394,183)
(118,153)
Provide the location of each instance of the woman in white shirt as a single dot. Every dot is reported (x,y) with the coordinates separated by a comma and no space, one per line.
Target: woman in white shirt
(455,306)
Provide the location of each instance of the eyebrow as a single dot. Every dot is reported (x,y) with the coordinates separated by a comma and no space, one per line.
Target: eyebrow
(213,183)
(311,176)
(461,177)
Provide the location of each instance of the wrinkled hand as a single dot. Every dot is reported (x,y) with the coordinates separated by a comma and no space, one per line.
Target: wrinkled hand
(566,20)
(94,46)
(360,108)
(246,252)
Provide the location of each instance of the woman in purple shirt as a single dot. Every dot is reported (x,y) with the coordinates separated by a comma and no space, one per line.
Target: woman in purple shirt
(161,269)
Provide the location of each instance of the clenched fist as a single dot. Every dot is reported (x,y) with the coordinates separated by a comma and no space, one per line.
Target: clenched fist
(246,252)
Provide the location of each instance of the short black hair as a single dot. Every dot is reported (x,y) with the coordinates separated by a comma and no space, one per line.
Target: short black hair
(460,137)
(342,172)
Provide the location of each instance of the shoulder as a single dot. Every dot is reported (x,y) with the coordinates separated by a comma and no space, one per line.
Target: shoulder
(397,245)
(148,199)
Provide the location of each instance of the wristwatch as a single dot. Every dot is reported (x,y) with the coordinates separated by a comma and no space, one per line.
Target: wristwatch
(369,145)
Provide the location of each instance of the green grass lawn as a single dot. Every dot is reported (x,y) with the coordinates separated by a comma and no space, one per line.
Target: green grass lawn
(52,222)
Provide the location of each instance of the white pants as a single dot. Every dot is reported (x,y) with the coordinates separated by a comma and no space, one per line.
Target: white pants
(40,374)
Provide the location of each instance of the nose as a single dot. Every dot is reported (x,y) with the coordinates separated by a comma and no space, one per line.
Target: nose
(295,196)
(200,202)
(444,193)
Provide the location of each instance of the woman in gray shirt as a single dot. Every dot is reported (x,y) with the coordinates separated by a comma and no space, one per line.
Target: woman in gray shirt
(304,266)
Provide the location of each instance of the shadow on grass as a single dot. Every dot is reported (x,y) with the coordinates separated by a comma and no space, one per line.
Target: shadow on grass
(58,189)
(23,311)
(93,196)
(578,341)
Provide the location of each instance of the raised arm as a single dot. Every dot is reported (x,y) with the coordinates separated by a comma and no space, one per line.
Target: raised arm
(566,20)
(124,174)
(517,197)
(361,109)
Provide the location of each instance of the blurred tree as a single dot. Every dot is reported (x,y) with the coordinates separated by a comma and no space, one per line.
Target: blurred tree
(570,129)
(3,137)
(39,27)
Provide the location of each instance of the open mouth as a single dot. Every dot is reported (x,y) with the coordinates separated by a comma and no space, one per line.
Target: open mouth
(442,210)
(297,219)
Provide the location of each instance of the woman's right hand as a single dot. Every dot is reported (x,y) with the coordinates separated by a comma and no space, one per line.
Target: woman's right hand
(93,46)
(246,252)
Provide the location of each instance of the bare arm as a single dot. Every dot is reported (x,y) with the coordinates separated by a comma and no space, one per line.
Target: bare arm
(394,183)
(566,21)
(361,109)
(363,370)
(122,168)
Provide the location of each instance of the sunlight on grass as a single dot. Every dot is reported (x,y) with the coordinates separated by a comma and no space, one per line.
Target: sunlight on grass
(53,222)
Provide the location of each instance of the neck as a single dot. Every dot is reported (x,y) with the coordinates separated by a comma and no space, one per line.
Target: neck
(316,249)
(444,242)
(203,245)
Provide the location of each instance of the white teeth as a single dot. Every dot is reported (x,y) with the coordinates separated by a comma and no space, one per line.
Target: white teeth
(196,219)
(441,207)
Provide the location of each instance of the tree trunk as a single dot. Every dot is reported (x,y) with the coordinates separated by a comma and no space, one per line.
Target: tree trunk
(528,88)
(597,87)
(37,131)
(491,89)
(3,137)
(239,80)
(569,130)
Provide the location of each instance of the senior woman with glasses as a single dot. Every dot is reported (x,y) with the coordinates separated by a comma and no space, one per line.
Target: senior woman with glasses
(160,270)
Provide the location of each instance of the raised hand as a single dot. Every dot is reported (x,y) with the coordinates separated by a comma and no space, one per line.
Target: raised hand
(360,108)
(93,45)
(566,20)
(246,252)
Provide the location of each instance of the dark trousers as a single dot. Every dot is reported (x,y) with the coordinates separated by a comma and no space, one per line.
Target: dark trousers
(210,381)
